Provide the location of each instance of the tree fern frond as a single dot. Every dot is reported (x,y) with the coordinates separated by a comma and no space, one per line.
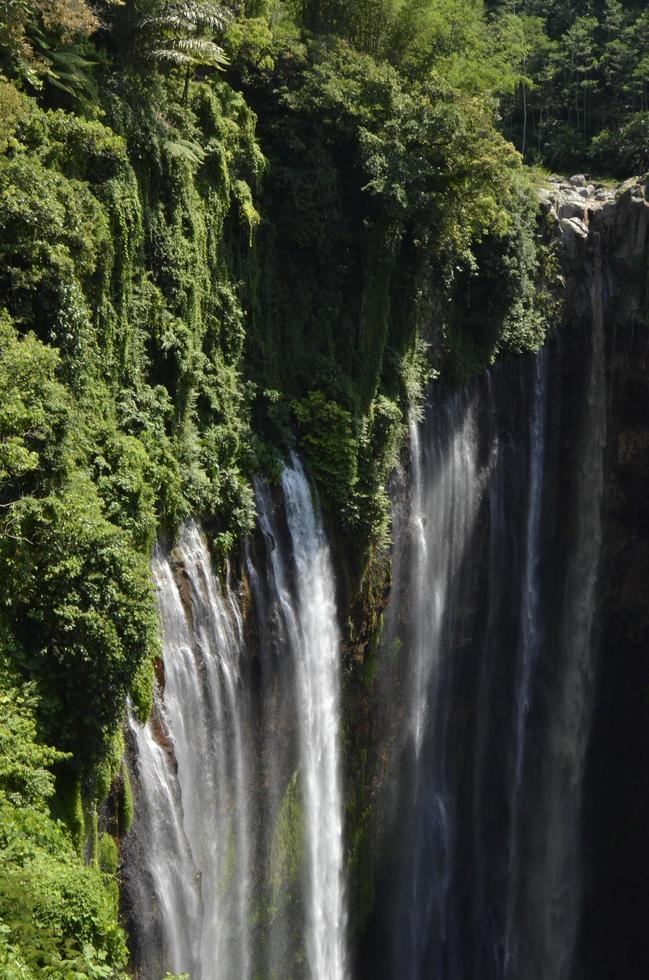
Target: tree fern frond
(178,33)
(199,47)
(72,59)
(206,14)
(172,56)
(184,150)
(192,51)
(57,83)
(184,16)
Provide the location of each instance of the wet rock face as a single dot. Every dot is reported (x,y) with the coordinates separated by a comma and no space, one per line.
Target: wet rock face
(605,236)
(616,792)
(460,920)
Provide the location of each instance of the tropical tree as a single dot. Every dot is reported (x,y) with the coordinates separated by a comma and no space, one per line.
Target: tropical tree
(182,33)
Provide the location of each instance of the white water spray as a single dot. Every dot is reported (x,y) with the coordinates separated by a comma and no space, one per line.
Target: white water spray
(203,715)
(310,621)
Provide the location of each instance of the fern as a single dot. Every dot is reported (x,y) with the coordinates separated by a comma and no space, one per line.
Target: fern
(181,33)
(66,68)
(184,150)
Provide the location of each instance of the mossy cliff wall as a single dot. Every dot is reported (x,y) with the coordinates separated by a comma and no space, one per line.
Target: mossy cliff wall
(188,288)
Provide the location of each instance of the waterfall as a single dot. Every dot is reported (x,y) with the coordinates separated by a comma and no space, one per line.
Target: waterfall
(309,619)
(531,631)
(235,865)
(214,763)
(555,867)
(440,526)
(531,626)
(493,606)
(194,754)
(170,916)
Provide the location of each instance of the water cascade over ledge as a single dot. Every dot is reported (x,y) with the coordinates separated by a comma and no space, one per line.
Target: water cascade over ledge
(235,862)
(489,654)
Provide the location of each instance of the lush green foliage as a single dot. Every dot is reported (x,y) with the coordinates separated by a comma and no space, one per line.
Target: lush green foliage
(386,200)
(122,410)
(222,237)
(568,74)
(583,76)
(57,915)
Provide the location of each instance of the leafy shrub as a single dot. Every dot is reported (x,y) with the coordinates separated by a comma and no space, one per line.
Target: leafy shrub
(56,915)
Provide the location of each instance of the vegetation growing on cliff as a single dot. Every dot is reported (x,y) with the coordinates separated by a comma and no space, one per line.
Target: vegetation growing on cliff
(220,237)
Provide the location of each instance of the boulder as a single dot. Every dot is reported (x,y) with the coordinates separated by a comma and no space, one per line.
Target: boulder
(574,235)
(573,207)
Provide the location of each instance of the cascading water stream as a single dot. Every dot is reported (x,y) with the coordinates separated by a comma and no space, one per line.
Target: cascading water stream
(164,890)
(197,737)
(440,526)
(196,872)
(531,627)
(213,762)
(312,633)
(556,872)
(530,613)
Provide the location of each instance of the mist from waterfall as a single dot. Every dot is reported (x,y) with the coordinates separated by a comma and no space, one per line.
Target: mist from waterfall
(492,614)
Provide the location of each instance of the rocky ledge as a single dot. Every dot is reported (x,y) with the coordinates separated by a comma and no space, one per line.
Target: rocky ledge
(577,205)
(612,222)
(571,203)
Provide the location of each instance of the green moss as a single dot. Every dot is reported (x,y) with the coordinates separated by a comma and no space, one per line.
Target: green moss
(287,849)
(330,448)
(109,768)
(371,659)
(91,832)
(107,855)
(68,805)
(142,689)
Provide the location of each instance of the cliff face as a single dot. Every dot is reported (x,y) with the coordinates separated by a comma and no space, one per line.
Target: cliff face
(493,733)
(509,721)
(616,792)
(614,234)
(616,829)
